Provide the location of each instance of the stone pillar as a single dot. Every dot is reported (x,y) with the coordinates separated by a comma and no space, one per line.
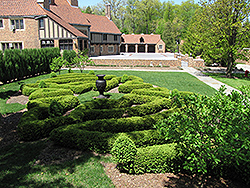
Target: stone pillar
(146,48)
(126,50)
(136,48)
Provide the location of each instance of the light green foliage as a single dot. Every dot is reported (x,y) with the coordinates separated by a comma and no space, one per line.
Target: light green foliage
(219,32)
(53,74)
(81,61)
(124,78)
(57,64)
(42,84)
(124,152)
(91,72)
(213,132)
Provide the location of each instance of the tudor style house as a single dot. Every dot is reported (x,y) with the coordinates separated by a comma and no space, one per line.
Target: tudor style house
(142,43)
(56,23)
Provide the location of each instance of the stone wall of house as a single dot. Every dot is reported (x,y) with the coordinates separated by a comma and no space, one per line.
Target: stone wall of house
(27,36)
(105,51)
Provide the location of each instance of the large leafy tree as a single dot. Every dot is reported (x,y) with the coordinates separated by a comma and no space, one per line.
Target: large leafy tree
(222,26)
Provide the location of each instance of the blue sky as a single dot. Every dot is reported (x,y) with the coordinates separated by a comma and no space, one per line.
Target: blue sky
(94,2)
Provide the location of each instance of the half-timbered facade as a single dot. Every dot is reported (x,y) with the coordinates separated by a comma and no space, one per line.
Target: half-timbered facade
(55,23)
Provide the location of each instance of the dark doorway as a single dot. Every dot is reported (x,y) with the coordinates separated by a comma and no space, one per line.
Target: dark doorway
(151,48)
(122,48)
(141,48)
(131,48)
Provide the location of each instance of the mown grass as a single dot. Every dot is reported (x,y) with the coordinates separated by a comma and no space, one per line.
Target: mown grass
(18,168)
(170,80)
(236,81)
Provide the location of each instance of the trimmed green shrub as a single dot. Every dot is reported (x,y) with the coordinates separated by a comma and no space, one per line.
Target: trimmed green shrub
(109,77)
(27,89)
(150,108)
(157,159)
(55,109)
(152,92)
(68,102)
(91,72)
(53,75)
(93,114)
(37,113)
(124,78)
(83,88)
(37,129)
(49,92)
(124,152)
(135,78)
(42,84)
(128,87)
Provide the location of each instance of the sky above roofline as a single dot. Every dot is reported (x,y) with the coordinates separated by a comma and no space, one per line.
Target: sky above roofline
(82,3)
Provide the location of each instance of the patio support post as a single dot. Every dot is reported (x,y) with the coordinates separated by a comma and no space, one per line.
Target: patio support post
(136,48)
(126,48)
(146,48)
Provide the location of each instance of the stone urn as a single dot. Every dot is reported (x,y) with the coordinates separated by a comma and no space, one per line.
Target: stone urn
(101,85)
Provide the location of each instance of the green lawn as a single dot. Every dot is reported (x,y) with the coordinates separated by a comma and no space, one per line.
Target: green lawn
(18,168)
(235,82)
(170,80)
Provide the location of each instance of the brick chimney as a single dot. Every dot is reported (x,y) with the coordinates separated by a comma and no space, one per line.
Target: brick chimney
(108,11)
(73,2)
(44,3)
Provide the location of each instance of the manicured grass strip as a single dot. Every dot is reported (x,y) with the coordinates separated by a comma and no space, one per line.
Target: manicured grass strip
(233,82)
(170,80)
(18,168)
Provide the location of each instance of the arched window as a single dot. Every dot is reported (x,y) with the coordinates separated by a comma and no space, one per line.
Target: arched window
(141,40)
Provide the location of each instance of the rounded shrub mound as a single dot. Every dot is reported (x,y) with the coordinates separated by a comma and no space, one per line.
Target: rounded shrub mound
(124,152)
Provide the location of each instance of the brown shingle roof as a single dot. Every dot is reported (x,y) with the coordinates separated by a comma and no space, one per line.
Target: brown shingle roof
(101,24)
(64,24)
(135,38)
(70,14)
(20,8)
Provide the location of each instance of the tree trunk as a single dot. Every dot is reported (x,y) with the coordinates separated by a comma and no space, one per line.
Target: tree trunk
(229,66)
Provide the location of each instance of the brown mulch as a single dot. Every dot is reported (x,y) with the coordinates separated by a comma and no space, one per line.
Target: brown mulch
(53,154)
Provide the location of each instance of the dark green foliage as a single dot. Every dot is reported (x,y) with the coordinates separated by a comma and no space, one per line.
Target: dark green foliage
(49,92)
(37,129)
(69,55)
(28,62)
(53,74)
(124,152)
(124,78)
(37,113)
(55,109)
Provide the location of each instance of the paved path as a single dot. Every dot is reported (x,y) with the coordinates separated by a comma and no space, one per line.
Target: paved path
(208,80)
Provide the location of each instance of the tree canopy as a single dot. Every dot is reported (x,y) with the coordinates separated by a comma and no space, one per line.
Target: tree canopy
(218,32)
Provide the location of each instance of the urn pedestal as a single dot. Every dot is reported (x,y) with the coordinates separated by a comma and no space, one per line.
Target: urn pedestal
(101,85)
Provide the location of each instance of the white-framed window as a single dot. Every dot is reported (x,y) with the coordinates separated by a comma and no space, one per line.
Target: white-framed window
(1,24)
(160,47)
(101,49)
(111,49)
(16,24)
(11,45)
(47,43)
(41,23)
(66,44)
(92,49)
